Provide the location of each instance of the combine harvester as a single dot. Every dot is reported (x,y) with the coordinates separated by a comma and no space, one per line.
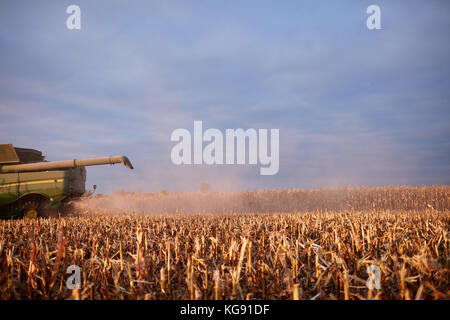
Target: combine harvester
(31,187)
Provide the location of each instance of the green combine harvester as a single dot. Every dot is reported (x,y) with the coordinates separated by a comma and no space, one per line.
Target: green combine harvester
(31,187)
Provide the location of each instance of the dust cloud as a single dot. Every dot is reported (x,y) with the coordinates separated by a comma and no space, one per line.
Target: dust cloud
(162,203)
(266,201)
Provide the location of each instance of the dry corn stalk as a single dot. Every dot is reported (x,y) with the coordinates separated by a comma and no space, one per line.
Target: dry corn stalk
(307,254)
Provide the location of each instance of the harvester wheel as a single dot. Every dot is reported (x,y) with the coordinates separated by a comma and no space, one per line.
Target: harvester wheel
(48,211)
(30,210)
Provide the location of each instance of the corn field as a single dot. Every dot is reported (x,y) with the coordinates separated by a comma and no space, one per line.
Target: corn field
(321,244)
(272,201)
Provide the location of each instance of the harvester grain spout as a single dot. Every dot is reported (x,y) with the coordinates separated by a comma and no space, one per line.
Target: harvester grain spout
(65,164)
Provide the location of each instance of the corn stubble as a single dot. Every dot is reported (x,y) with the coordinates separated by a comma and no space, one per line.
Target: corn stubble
(313,254)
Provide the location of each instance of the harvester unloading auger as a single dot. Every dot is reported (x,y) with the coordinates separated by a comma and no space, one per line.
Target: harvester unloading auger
(31,187)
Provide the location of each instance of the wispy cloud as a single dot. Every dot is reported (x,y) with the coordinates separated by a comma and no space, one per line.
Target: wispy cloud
(353,106)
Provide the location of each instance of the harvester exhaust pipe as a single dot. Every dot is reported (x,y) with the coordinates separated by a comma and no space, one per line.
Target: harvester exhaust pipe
(65,164)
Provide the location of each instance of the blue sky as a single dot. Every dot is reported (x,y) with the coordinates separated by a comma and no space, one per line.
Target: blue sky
(353,106)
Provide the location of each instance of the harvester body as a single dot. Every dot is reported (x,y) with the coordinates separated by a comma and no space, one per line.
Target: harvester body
(30,186)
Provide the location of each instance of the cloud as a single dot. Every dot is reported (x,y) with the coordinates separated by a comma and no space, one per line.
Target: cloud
(353,106)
